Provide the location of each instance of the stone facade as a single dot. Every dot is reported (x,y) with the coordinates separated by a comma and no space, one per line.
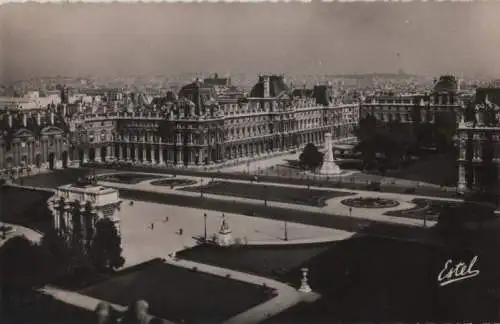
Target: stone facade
(78,207)
(478,142)
(412,108)
(33,141)
(445,97)
(201,126)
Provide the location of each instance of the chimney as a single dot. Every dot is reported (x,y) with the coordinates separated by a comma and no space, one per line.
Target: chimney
(64,110)
(25,120)
(10,120)
(267,90)
(38,119)
(52,118)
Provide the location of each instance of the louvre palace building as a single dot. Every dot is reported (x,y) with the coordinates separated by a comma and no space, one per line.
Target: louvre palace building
(445,97)
(208,122)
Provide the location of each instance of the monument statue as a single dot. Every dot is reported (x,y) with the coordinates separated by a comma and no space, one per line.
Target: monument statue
(329,166)
(225,235)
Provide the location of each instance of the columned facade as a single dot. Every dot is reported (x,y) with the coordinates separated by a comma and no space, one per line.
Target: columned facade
(478,143)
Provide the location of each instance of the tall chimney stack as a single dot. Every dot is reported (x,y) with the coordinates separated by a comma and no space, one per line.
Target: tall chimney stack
(267,91)
(38,119)
(10,120)
(52,118)
(25,120)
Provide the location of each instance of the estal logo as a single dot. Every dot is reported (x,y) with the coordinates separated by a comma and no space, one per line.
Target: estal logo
(457,271)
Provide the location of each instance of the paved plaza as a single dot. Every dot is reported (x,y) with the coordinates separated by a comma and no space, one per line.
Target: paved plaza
(146,232)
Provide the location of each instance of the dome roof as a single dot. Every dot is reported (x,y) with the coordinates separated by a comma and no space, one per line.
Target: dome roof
(446,83)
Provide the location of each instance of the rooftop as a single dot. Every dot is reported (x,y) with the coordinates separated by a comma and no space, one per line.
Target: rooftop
(88,185)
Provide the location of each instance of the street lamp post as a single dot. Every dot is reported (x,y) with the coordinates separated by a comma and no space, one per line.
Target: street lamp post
(201,188)
(205,220)
(286,231)
(265,195)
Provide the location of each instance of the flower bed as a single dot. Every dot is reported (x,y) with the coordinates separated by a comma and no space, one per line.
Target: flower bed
(369,202)
(173,182)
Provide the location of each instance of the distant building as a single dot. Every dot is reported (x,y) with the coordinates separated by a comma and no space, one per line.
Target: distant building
(79,206)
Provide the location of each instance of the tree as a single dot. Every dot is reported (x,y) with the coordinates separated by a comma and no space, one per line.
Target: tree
(22,269)
(58,252)
(76,235)
(311,158)
(445,128)
(105,250)
(368,141)
(400,142)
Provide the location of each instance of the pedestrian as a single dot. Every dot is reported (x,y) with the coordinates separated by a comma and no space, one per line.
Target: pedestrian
(166,219)
(152,226)
(181,231)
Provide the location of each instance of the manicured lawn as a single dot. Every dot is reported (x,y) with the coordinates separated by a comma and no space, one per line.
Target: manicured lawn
(302,196)
(25,207)
(376,279)
(380,279)
(57,177)
(356,181)
(127,178)
(267,261)
(425,208)
(173,182)
(182,295)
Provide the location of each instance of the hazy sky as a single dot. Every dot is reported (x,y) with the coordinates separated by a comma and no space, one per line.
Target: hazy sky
(128,39)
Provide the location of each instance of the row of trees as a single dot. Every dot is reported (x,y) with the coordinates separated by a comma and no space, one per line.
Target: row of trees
(386,145)
(25,265)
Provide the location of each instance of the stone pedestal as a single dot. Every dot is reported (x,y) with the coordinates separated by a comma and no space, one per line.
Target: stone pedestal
(329,166)
(304,286)
(225,235)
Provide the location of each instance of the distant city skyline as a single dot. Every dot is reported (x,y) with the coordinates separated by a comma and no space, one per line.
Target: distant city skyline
(170,39)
